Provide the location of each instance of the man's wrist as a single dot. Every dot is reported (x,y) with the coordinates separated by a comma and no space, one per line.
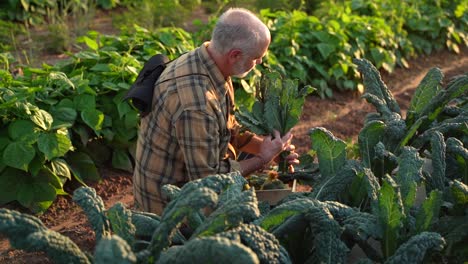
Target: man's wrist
(263,162)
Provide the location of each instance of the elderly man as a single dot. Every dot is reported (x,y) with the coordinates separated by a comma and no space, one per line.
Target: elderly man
(191,131)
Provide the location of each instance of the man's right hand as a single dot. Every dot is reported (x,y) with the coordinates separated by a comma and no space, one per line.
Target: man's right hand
(273,146)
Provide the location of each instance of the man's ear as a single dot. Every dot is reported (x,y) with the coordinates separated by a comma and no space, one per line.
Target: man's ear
(235,54)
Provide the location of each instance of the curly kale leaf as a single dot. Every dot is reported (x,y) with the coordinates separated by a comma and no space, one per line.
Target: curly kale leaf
(121,222)
(239,209)
(459,192)
(374,85)
(28,233)
(208,250)
(191,200)
(450,126)
(251,122)
(219,183)
(278,105)
(279,214)
(454,229)
(414,250)
(328,247)
(409,175)
(113,249)
(93,207)
(456,149)
(430,86)
(395,132)
(436,178)
(458,87)
(331,151)
(170,191)
(390,213)
(233,189)
(371,134)
(145,225)
(331,187)
(263,243)
(364,188)
(17,225)
(428,213)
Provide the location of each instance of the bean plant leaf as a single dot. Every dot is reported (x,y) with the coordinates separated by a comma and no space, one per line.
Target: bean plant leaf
(23,130)
(18,155)
(63,116)
(84,101)
(93,118)
(54,145)
(42,119)
(121,160)
(92,44)
(10,181)
(37,196)
(60,168)
(82,167)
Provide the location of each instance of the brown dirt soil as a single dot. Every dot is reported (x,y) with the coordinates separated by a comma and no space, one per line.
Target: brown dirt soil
(343,116)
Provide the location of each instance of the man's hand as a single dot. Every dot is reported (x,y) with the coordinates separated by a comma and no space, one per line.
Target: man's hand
(292,158)
(272,147)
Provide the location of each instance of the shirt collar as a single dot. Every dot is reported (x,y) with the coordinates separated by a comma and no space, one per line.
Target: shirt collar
(222,85)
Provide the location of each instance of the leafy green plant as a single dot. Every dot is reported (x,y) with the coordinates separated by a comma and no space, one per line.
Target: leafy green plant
(278,106)
(401,176)
(59,121)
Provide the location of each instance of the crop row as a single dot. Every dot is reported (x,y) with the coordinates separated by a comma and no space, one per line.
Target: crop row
(60,121)
(403,200)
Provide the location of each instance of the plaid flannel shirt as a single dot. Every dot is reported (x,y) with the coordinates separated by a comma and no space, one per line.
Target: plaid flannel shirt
(188,133)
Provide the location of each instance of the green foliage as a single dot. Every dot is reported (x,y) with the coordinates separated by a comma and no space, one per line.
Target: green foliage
(93,206)
(114,249)
(156,14)
(263,243)
(414,250)
(28,233)
(65,119)
(278,105)
(207,249)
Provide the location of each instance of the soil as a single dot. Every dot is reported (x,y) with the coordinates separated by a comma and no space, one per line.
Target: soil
(343,116)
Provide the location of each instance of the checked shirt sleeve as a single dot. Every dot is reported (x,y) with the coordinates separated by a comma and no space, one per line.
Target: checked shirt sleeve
(199,139)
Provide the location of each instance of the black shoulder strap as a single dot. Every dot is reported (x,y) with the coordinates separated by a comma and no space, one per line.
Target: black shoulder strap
(141,92)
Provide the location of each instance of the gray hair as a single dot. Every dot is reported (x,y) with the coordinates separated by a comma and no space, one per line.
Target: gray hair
(238,28)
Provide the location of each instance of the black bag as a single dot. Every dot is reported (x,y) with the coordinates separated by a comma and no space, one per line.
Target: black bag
(141,92)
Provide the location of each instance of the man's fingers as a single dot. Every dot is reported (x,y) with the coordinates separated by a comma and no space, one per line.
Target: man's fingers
(287,137)
(276,134)
(290,148)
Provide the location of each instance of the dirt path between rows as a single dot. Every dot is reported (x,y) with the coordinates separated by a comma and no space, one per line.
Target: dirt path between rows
(343,116)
